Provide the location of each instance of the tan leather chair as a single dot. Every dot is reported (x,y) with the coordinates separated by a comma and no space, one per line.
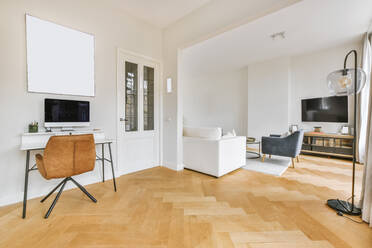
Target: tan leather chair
(64,157)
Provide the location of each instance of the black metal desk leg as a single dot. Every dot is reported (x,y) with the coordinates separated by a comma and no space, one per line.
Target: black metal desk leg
(112,167)
(26,184)
(103,162)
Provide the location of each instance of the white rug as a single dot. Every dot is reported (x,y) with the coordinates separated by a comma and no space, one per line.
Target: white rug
(273,166)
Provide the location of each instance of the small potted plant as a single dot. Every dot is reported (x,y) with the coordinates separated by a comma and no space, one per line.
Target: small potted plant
(33,127)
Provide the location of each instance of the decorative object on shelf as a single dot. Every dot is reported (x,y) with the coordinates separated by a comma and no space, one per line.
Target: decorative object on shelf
(345,129)
(33,127)
(347,82)
(251,139)
(318,129)
(331,142)
(293,128)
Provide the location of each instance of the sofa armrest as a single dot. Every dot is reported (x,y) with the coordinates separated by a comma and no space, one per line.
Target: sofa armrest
(214,157)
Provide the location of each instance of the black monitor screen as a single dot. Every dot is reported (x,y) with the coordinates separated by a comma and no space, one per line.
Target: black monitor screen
(66,111)
(325,109)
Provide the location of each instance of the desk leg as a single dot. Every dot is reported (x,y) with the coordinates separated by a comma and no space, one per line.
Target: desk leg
(103,162)
(112,167)
(26,184)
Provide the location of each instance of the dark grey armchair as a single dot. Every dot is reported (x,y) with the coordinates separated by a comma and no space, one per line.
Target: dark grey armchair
(289,146)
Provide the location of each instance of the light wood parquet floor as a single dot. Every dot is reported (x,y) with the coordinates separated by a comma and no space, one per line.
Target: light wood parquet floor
(163,208)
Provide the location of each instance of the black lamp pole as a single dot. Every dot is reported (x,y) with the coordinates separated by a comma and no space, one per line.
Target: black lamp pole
(355,117)
(338,205)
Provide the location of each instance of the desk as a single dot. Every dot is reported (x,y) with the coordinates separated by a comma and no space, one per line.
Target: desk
(38,141)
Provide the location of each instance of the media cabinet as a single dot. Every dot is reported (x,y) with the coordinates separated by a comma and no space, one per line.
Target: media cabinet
(328,144)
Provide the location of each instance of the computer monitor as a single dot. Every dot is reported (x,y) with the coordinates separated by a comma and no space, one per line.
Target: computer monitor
(66,113)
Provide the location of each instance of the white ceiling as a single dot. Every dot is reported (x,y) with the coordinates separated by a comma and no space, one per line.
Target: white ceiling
(160,13)
(310,25)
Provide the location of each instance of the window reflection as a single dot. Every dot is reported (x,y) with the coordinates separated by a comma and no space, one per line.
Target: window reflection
(131,97)
(148,98)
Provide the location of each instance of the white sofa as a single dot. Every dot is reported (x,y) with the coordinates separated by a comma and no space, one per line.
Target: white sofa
(206,151)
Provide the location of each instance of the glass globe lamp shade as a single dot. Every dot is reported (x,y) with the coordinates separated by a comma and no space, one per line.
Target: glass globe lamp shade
(341,82)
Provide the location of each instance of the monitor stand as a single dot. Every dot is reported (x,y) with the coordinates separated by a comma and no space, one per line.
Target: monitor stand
(67,129)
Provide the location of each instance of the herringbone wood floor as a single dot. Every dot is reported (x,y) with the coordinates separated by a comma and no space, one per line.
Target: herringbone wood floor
(164,208)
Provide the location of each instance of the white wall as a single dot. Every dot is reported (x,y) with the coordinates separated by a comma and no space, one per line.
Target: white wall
(309,73)
(201,24)
(112,29)
(268,84)
(216,100)
(276,87)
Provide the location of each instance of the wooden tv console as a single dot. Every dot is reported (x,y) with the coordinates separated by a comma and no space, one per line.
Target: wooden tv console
(328,144)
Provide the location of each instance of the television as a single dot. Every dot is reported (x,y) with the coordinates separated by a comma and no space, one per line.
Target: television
(66,113)
(325,109)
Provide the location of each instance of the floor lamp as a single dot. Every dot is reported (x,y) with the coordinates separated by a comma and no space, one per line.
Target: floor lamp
(347,82)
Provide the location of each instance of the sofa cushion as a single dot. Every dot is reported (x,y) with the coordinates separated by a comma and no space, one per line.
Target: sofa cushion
(230,134)
(214,133)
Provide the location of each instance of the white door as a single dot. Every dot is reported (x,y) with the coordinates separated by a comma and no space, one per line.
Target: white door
(138,113)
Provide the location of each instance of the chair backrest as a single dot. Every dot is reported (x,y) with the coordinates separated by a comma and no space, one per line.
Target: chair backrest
(296,139)
(69,155)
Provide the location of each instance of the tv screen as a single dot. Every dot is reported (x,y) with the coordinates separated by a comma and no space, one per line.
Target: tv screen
(325,109)
(66,111)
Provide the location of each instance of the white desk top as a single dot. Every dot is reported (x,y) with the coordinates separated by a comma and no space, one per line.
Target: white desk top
(87,131)
(38,141)
(39,146)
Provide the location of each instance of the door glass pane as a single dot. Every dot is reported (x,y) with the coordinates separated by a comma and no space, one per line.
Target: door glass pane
(131,97)
(148,98)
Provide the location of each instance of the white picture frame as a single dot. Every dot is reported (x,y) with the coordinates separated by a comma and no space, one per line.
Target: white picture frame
(345,130)
(60,60)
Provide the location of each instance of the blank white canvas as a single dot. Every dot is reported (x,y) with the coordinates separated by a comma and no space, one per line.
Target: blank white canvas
(60,60)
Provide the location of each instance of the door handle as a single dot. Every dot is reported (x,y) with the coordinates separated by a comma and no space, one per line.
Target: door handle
(123,119)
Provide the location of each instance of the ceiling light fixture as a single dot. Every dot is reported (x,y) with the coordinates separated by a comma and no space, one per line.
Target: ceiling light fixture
(279,35)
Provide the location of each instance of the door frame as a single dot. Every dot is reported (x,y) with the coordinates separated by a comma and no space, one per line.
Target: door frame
(127,53)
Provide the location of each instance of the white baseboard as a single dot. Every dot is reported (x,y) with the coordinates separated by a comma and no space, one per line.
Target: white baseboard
(16,198)
(8,200)
(173,166)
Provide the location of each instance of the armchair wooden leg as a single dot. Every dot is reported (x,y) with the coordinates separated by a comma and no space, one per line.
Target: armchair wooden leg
(298,158)
(293,162)
(263,157)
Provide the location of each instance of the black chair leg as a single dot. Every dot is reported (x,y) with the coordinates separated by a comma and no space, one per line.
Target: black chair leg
(51,192)
(55,200)
(84,190)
